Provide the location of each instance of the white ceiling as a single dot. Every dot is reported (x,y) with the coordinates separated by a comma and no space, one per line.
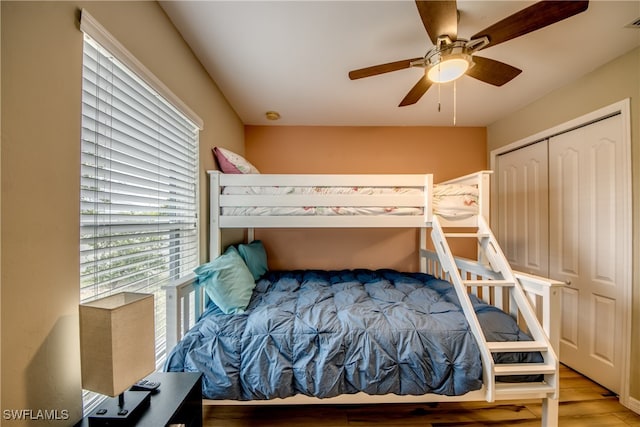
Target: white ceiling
(294,56)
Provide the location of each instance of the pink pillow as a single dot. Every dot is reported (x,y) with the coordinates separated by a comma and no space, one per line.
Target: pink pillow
(231,162)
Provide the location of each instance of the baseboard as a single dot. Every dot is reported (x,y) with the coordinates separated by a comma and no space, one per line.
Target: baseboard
(633,404)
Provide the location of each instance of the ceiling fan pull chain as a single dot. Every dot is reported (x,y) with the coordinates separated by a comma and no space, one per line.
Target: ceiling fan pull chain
(439,84)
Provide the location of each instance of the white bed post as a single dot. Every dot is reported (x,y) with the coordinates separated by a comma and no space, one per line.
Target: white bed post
(423,247)
(550,412)
(428,215)
(484,205)
(428,199)
(553,311)
(215,242)
(173,317)
(484,185)
(551,300)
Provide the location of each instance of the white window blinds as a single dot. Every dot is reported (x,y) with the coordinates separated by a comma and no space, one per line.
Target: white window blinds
(138,195)
(138,184)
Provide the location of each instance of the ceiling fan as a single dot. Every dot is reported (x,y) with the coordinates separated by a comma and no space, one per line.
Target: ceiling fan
(452,57)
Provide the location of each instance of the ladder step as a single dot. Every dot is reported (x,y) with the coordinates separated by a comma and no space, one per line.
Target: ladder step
(516,346)
(535,389)
(488,283)
(523,369)
(476,235)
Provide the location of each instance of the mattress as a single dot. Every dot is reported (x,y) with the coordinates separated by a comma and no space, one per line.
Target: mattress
(450,201)
(327,333)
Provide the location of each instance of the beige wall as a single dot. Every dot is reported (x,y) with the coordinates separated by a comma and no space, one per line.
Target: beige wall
(40,170)
(606,85)
(444,151)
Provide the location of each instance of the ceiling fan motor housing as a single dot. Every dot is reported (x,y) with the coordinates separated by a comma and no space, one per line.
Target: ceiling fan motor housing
(446,49)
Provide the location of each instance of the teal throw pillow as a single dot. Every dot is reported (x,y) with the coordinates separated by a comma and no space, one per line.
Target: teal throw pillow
(255,257)
(227,281)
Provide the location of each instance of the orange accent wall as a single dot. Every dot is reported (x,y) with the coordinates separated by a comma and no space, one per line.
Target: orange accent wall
(447,152)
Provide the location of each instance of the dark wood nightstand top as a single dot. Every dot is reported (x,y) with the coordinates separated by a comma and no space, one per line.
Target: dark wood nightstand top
(178,400)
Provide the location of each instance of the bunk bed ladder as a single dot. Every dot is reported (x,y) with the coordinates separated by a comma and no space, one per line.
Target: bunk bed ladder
(501,279)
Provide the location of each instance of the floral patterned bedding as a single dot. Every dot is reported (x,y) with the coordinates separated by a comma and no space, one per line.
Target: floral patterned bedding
(451,201)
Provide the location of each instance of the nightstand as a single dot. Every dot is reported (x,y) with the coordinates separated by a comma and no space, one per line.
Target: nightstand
(178,400)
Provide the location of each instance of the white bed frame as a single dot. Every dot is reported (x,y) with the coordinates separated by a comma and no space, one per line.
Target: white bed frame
(533,301)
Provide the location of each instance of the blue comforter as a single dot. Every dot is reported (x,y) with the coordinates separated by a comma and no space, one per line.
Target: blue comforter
(324,334)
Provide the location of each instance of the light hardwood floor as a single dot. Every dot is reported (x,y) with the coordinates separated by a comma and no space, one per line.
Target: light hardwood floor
(582,403)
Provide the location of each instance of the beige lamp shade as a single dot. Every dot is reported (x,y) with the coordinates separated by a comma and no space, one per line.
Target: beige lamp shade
(117,342)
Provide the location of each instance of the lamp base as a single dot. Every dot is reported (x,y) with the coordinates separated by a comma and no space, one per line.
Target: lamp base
(120,411)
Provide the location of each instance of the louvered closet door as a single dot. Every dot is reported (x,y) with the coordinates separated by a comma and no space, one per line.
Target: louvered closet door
(523,208)
(586,235)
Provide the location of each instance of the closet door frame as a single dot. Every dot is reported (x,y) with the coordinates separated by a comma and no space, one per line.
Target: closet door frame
(623,108)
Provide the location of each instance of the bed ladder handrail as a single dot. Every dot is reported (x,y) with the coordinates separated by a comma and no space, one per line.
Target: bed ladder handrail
(505,281)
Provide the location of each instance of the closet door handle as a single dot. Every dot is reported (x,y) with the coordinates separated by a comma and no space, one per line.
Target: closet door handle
(567,282)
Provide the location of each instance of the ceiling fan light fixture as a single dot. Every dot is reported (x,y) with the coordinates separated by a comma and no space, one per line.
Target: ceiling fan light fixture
(448,61)
(449,68)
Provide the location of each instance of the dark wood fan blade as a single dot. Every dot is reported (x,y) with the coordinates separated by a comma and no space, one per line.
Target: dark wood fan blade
(534,17)
(440,18)
(416,92)
(381,69)
(491,71)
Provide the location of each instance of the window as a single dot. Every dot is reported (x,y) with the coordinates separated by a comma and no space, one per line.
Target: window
(138,195)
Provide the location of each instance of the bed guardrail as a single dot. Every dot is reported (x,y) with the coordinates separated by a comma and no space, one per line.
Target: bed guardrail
(482,180)
(219,201)
(184,304)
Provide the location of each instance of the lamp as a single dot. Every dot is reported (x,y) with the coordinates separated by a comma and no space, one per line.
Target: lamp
(117,345)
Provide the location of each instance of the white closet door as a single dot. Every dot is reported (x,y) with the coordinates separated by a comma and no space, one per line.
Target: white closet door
(522,183)
(587,233)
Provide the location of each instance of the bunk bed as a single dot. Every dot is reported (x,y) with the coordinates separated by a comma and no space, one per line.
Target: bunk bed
(446,211)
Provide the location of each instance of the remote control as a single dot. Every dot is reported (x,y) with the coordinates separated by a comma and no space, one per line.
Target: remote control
(145,385)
